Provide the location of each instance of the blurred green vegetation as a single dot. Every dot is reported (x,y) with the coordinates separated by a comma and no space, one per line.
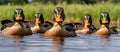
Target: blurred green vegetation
(74,9)
(55,2)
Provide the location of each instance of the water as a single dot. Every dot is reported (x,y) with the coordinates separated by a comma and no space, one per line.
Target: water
(37,43)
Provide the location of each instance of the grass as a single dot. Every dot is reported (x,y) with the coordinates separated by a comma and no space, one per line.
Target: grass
(73,12)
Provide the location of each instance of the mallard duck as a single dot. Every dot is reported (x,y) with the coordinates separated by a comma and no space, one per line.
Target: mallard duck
(39,26)
(104,30)
(16,28)
(87,24)
(58,29)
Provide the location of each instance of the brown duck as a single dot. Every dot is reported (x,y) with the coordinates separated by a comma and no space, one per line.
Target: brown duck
(104,30)
(58,29)
(39,26)
(16,28)
(87,24)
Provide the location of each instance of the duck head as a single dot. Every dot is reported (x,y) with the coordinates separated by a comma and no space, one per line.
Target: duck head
(87,20)
(39,18)
(105,19)
(18,15)
(59,14)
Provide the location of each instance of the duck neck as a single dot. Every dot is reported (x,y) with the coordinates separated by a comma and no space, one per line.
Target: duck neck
(18,24)
(38,24)
(57,24)
(87,26)
(104,26)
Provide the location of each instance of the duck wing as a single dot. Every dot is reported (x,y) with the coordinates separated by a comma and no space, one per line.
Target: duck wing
(70,29)
(76,26)
(47,24)
(6,23)
(113,30)
(30,23)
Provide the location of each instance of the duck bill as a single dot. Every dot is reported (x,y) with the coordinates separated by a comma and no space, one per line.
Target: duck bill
(58,18)
(19,17)
(87,22)
(104,20)
(38,21)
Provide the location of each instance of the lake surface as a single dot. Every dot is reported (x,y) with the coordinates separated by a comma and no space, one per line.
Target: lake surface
(37,43)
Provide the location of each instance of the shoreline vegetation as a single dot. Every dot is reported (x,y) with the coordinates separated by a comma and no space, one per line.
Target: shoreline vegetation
(73,12)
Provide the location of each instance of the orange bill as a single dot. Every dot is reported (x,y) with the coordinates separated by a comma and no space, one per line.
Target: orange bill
(87,22)
(37,20)
(104,20)
(18,17)
(58,18)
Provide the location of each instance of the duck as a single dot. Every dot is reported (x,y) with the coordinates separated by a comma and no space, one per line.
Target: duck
(39,26)
(104,31)
(58,30)
(16,28)
(87,26)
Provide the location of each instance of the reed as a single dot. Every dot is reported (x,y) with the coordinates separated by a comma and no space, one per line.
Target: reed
(73,12)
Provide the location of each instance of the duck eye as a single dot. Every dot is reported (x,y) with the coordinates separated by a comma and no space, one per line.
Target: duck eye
(55,12)
(15,12)
(62,11)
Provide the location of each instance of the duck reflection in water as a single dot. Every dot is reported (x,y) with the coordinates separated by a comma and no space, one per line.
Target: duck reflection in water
(19,49)
(105,41)
(17,42)
(58,42)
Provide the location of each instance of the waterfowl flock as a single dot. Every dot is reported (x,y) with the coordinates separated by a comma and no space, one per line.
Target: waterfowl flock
(18,27)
